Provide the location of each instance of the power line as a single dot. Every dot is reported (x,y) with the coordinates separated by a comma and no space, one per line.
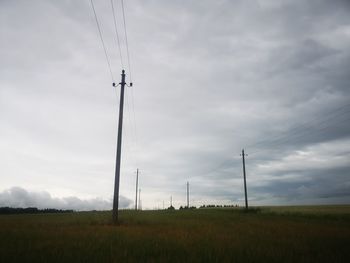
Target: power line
(117,34)
(292,138)
(188,194)
(226,162)
(131,134)
(298,132)
(103,43)
(126,40)
(127,140)
(134,115)
(214,170)
(304,128)
(137,183)
(123,83)
(129,65)
(131,120)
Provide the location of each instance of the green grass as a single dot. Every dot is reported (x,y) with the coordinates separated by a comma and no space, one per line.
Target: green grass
(268,234)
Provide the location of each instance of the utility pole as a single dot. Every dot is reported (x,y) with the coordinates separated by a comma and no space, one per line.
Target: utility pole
(171,201)
(119,149)
(188,195)
(137,185)
(140,207)
(245,183)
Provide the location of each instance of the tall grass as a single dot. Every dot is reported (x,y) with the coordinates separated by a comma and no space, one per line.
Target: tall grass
(203,235)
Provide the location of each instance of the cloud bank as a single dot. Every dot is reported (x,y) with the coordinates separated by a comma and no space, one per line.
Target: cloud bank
(19,197)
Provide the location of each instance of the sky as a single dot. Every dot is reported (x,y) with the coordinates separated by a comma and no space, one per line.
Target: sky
(209,79)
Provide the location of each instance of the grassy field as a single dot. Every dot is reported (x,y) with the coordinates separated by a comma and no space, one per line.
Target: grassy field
(268,234)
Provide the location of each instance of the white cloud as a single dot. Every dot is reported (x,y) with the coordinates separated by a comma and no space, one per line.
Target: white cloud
(19,197)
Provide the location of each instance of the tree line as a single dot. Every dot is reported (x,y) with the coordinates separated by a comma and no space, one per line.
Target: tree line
(30,210)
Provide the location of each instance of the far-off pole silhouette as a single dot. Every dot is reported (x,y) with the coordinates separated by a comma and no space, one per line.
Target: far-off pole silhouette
(137,185)
(244,176)
(140,206)
(188,195)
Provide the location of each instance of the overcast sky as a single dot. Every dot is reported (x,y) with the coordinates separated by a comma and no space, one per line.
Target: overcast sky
(210,78)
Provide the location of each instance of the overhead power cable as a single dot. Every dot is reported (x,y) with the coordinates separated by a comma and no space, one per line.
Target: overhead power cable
(129,66)
(126,40)
(103,43)
(117,34)
(303,129)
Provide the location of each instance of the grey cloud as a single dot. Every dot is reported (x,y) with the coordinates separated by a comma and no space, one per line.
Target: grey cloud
(19,197)
(322,184)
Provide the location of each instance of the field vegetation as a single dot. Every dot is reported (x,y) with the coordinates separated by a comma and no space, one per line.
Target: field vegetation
(268,234)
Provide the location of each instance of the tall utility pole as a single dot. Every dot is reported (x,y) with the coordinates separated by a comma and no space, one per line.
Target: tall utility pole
(137,185)
(171,201)
(245,183)
(188,195)
(119,149)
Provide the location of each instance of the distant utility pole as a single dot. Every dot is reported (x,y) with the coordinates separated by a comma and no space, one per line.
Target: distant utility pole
(245,183)
(137,185)
(188,195)
(171,201)
(119,149)
(140,207)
